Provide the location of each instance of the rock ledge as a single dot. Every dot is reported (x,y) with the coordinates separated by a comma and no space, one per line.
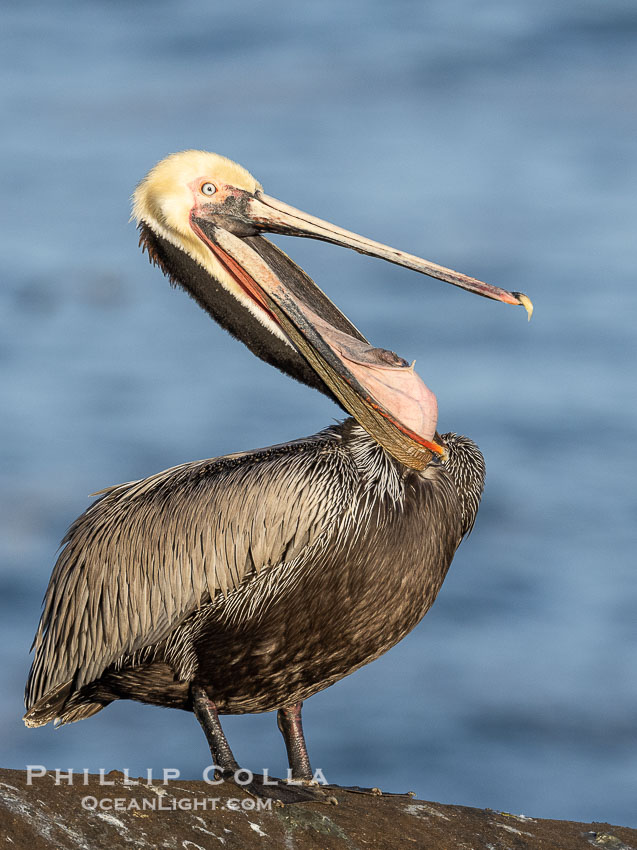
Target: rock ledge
(191,815)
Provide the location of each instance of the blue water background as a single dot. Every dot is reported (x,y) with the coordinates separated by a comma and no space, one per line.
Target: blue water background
(499,138)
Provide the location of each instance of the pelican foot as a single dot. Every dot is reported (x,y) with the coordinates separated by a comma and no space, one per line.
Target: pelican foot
(371,792)
(284,793)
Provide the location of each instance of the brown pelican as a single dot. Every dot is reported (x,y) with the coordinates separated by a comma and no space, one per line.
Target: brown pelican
(249,582)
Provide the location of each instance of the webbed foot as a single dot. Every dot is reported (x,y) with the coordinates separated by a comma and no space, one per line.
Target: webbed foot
(283,792)
(372,792)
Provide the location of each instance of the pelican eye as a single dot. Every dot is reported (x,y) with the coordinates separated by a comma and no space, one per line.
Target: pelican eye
(208,189)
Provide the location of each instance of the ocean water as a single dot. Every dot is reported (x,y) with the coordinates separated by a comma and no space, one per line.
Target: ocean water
(497,138)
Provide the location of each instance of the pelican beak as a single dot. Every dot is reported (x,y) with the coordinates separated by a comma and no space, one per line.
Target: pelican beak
(381,390)
(266,214)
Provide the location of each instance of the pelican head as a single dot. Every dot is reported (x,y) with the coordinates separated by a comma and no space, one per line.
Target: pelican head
(201,218)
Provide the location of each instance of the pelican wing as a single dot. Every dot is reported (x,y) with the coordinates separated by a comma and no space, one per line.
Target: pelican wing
(148,553)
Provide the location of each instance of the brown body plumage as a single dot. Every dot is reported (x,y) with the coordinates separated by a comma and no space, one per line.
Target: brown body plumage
(351,551)
(254,580)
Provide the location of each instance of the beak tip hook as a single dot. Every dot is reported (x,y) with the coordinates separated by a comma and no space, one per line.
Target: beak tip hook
(526,302)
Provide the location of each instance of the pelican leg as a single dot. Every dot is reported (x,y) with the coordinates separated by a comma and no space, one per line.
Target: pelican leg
(206,713)
(289,722)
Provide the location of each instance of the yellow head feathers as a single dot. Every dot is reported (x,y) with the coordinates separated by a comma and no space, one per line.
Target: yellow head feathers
(164,197)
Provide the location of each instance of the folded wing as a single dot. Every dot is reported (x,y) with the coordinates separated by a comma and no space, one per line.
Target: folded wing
(148,553)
